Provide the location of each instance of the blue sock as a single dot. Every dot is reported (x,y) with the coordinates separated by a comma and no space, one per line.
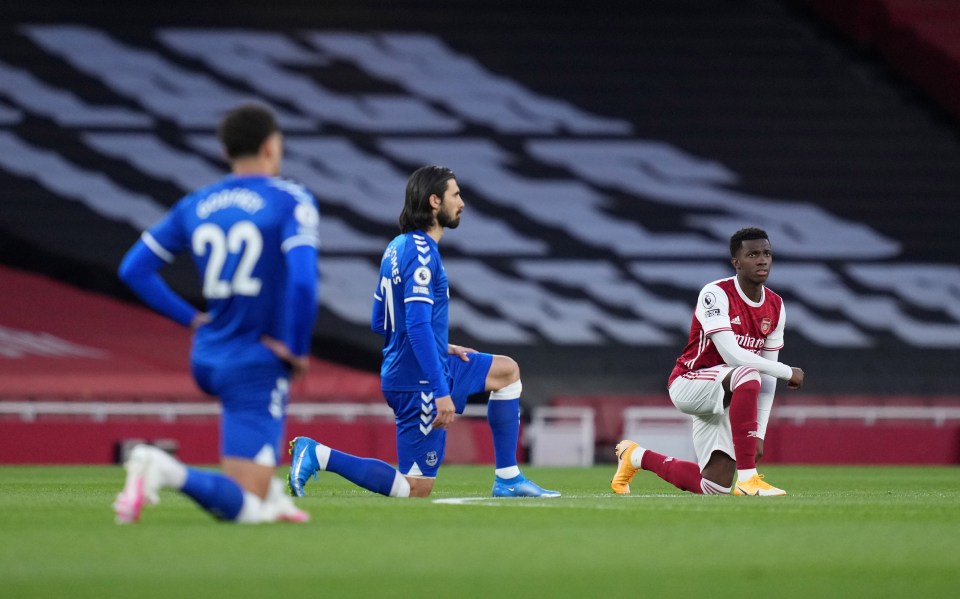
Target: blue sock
(215,492)
(373,475)
(503,415)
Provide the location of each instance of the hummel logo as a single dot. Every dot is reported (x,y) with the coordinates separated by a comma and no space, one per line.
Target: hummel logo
(735,319)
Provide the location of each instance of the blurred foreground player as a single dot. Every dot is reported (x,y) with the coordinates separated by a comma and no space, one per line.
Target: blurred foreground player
(254,240)
(425,379)
(725,379)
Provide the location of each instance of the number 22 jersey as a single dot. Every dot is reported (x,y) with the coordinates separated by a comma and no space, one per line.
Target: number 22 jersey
(238,231)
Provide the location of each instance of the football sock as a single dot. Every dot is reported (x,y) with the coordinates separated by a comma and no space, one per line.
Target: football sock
(371,474)
(743,422)
(681,474)
(215,492)
(507,473)
(173,473)
(636,458)
(503,416)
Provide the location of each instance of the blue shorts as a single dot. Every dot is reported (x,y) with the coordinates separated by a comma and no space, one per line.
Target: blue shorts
(254,401)
(420,447)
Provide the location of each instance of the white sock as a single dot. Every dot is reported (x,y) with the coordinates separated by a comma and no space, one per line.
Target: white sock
(401,486)
(637,456)
(173,474)
(323,455)
(711,488)
(508,472)
(278,504)
(252,511)
(747,474)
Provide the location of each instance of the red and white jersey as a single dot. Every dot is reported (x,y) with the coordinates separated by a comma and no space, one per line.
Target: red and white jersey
(722,306)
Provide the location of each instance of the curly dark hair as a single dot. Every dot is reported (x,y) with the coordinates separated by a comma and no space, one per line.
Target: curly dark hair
(748,234)
(244,129)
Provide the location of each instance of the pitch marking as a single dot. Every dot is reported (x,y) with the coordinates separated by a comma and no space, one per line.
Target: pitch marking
(534,501)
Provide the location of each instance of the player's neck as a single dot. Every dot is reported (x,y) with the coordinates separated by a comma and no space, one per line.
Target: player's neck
(435,232)
(754,291)
(252,166)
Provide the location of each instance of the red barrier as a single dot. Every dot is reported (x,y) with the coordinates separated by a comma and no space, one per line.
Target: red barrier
(61,343)
(81,441)
(826,443)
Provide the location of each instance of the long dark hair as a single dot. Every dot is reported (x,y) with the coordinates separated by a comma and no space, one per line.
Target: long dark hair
(423,183)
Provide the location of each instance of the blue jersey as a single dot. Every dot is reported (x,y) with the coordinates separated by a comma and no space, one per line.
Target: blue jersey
(410,309)
(254,241)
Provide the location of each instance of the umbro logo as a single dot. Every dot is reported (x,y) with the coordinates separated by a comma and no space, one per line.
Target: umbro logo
(735,319)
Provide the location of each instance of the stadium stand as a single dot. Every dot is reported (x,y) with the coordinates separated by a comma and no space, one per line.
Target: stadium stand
(62,343)
(921,38)
(606,153)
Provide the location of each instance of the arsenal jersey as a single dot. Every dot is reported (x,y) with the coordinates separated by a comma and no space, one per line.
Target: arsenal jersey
(722,306)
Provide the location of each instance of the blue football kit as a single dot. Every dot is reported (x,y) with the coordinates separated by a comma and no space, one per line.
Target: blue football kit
(410,310)
(254,241)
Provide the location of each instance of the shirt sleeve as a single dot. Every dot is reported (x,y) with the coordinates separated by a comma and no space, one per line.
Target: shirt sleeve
(300,299)
(301,240)
(419,276)
(768,387)
(734,355)
(713,310)
(774,341)
(378,321)
(140,267)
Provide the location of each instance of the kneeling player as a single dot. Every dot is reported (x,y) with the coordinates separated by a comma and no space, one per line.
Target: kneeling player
(725,379)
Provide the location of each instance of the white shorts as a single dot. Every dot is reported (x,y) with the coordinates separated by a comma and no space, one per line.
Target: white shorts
(700,394)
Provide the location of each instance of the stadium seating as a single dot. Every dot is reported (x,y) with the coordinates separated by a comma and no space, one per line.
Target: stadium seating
(739,88)
(61,343)
(921,38)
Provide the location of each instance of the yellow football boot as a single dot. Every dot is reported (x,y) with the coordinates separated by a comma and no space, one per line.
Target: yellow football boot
(755,485)
(625,470)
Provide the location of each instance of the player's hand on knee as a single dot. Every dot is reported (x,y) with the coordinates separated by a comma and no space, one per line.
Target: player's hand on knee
(796,380)
(445,412)
(460,351)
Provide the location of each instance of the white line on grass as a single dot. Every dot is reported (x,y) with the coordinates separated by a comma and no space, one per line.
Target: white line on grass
(539,502)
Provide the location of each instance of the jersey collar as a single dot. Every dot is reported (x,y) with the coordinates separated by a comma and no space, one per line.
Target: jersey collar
(747,300)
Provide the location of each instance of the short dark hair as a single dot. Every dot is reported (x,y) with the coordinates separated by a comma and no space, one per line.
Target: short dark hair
(748,234)
(423,183)
(244,129)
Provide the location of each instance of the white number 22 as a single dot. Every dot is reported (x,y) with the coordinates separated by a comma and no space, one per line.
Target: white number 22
(243,238)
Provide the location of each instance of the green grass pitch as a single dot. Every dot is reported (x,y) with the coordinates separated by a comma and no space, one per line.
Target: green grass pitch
(842,532)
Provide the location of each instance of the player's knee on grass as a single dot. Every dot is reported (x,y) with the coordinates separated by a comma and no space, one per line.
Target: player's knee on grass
(720,469)
(420,487)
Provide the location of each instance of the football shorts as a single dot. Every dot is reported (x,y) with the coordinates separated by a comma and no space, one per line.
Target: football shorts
(420,447)
(254,400)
